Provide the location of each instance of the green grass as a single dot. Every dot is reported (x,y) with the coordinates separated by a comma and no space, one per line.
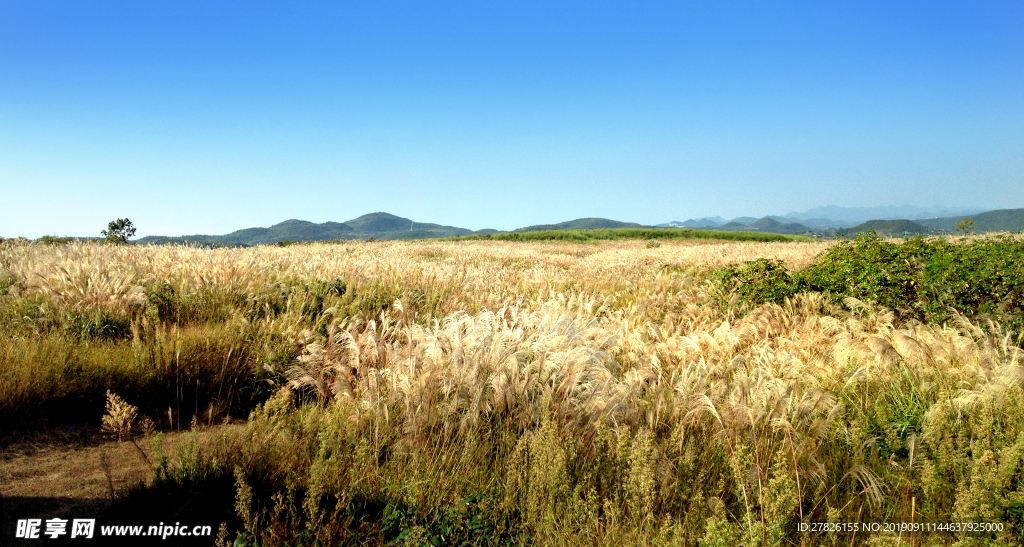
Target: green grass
(174,374)
(604,234)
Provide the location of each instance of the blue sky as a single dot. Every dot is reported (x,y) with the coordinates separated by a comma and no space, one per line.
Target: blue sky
(206,117)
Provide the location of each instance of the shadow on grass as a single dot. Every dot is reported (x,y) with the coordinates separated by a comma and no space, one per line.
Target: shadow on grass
(185,514)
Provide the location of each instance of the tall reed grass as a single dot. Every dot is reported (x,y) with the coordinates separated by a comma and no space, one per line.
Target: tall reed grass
(546,393)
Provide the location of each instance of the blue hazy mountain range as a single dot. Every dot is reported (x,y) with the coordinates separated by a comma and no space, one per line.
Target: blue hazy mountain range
(834,216)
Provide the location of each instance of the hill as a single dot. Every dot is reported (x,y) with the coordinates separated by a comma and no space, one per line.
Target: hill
(386,223)
(828,219)
(706,222)
(290,230)
(893,228)
(373,225)
(767,225)
(771,225)
(1000,220)
(581,224)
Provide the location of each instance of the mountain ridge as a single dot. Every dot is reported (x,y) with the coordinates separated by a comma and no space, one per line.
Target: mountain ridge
(381,225)
(589,223)
(894,228)
(999,220)
(377,225)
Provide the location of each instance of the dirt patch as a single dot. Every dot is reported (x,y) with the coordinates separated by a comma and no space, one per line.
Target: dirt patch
(81,478)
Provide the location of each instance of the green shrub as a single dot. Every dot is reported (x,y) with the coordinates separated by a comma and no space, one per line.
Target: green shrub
(55,240)
(869,268)
(95,325)
(985,278)
(917,279)
(758,281)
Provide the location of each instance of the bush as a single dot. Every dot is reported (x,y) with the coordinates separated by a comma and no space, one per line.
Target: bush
(870,268)
(758,281)
(55,240)
(917,279)
(985,278)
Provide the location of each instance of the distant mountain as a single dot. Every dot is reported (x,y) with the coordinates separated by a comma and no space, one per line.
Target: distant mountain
(773,226)
(388,223)
(828,218)
(863,214)
(825,223)
(373,225)
(1001,220)
(581,224)
(706,222)
(290,230)
(766,224)
(763,224)
(893,228)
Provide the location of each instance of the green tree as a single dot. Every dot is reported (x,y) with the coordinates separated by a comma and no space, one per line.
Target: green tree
(965,226)
(118,231)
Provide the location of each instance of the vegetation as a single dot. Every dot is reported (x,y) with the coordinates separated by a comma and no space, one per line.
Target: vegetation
(118,231)
(933,281)
(486,393)
(965,226)
(604,234)
(54,240)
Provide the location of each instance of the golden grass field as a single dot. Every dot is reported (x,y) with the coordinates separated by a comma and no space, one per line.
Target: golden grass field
(484,392)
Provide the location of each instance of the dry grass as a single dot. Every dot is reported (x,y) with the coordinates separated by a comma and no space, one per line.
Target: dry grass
(78,480)
(602,393)
(83,276)
(57,470)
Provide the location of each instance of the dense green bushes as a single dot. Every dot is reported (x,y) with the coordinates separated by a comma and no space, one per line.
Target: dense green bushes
(917,279)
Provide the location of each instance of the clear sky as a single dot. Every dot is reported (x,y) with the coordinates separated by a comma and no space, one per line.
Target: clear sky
(206,117)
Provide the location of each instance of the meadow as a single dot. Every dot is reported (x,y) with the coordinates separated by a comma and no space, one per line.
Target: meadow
(620,392)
